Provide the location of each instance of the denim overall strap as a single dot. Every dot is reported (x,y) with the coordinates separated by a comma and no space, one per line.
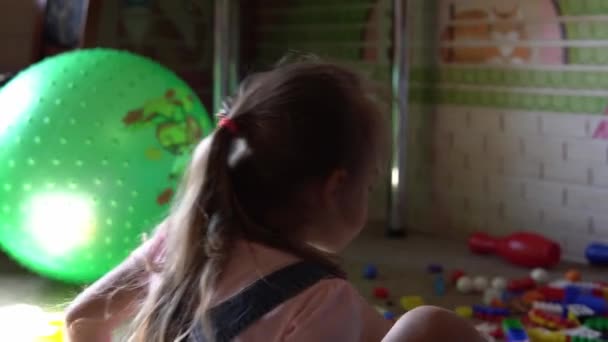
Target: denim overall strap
(236,314)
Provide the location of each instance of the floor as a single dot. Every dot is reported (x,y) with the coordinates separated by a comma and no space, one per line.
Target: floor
(402,266)
(401,263)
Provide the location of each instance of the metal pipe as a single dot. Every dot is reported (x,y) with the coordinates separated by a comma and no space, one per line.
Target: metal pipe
(398,201)
(225,50)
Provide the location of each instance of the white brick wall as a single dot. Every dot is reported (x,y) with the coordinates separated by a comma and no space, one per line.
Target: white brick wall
(507,171)
(517,123)
(595,152)
(599,176)
(557,124)
(566,172)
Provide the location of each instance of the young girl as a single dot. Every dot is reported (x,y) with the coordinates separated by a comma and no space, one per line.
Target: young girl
(247,253)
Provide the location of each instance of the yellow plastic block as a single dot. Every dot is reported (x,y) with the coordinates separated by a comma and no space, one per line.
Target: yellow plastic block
(542,335)
(55,332)
(464,311)
(410,302)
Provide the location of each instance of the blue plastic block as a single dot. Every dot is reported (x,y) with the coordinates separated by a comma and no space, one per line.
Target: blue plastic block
(439,285)
(516,335)
(389,315)
(571,293)
(434,268)
(596,304)
(370,272)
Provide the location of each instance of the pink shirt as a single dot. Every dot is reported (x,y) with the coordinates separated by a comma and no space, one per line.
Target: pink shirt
(331,310)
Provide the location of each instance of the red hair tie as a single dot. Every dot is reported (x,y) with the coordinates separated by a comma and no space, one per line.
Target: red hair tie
(229,124)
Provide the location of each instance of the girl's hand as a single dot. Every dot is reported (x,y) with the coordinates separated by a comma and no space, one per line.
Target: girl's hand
(92,330)
(110,301)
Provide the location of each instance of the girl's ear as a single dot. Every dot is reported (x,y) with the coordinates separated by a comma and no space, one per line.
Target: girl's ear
(334,187)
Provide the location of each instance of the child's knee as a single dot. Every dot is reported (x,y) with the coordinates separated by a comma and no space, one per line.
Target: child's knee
(429,323)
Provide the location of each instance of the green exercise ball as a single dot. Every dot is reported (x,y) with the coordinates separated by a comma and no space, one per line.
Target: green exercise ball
(92,144)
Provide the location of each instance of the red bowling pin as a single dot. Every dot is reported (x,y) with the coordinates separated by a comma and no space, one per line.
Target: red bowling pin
(521,248)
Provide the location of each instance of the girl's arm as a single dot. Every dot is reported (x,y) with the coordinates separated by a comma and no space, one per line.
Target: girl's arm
(100,308)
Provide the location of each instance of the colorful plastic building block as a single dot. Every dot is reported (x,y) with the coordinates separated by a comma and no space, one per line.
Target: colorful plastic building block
(381,293)
(580,310)
(550,321)
(544,335)
(552,308)
(488,313)
(455,275)
(370,272)
(389,315)
(410,302)
(552,294)
(464,311)
(434,268)
(532,296)
(584,332)
(598,324)
(439,284)
(514,331)
(489,330)
(523,284)
(573,275)
(597,304)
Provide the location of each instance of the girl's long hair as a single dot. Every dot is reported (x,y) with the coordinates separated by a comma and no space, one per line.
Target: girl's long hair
(295,125)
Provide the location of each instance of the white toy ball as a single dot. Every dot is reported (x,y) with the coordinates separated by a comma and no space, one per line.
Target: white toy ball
(480,283)
(464,284)
(499,283)
(491,294)
(539,275)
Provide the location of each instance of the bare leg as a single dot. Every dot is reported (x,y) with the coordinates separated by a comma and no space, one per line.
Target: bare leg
(432,324)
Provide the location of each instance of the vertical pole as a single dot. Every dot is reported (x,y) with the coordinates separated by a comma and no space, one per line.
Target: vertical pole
(225,50)
(398,201)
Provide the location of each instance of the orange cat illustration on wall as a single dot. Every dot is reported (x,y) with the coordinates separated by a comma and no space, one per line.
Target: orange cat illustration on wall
(480,36)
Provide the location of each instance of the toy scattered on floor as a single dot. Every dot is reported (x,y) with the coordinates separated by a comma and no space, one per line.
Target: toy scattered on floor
(531,308)
(436,272)
(551,321)
(381,293)
(514,331)
(490,313)
(464,311)
(597,254)
(573,275)
(491,331)
(539,275)
(92,144)
(521,284)
(455,275)
(370,272)
(499,283)
(491,295)
(464,284)
(522,248)
(480,283)
(411,302)
(389,315)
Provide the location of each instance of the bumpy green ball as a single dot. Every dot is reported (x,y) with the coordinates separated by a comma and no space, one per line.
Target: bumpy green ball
(92,144)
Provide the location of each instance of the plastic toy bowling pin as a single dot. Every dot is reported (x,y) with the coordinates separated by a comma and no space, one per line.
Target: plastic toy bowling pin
(521,248)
